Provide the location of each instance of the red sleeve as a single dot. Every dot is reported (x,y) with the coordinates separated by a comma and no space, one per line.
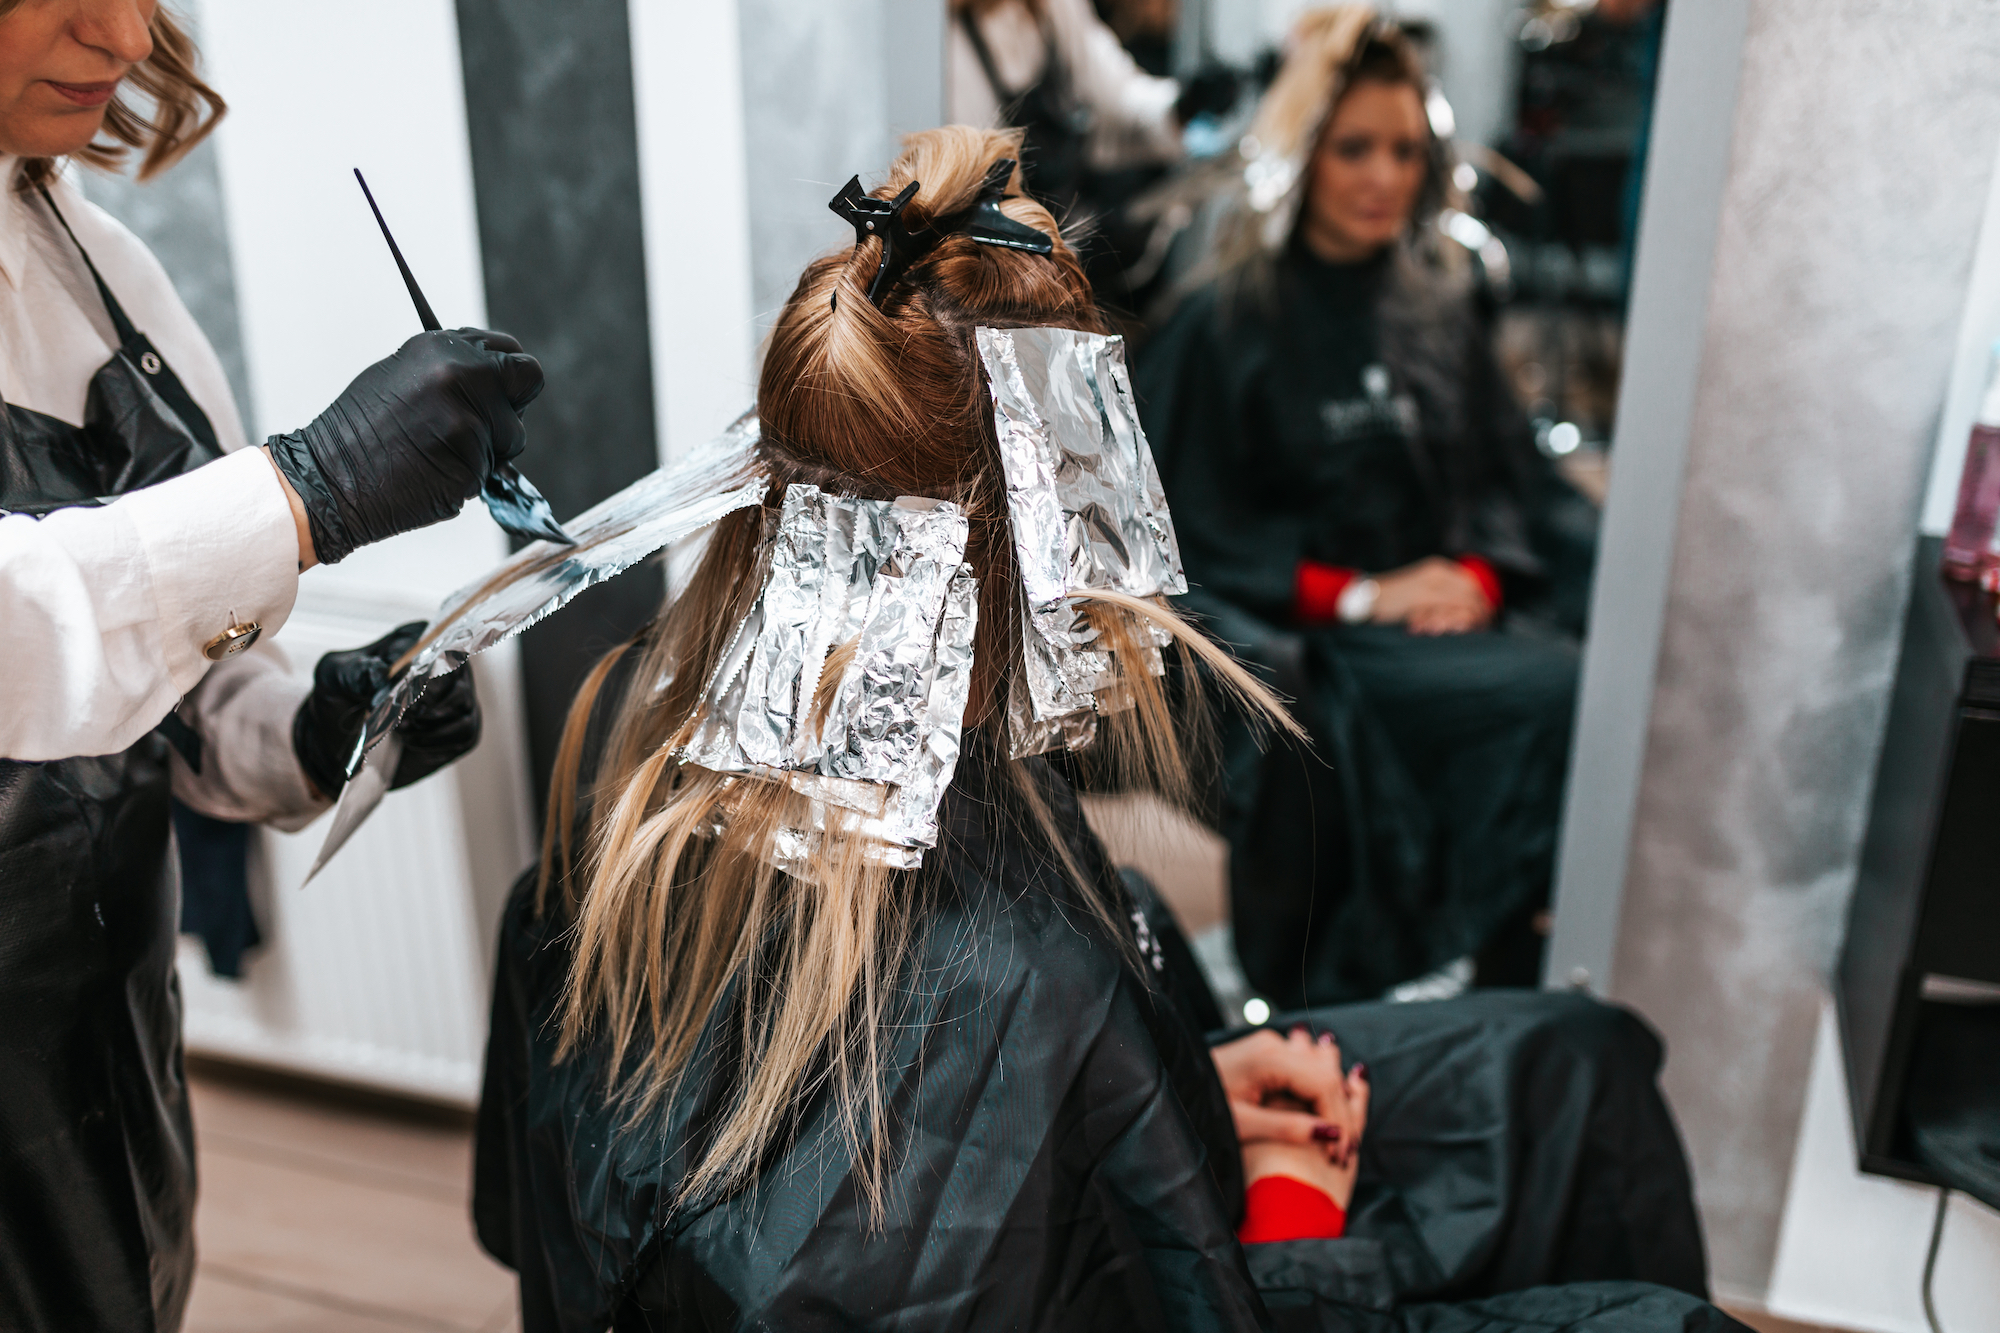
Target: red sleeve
(1489,582)
(1316,590)
(1286,1208)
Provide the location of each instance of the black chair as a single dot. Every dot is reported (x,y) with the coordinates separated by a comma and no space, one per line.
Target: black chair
(1266,786)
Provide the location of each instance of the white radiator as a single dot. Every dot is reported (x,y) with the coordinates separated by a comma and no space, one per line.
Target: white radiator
(377,972)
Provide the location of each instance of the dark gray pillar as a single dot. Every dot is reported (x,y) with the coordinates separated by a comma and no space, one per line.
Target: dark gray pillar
(548,93)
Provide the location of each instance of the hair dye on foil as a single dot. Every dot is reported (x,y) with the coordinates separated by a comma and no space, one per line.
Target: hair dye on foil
(1089,513)
(879,592)
(657,510)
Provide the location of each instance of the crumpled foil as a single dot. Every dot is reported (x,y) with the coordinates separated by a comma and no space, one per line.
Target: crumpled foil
(1089,513)
(660,508)
(538,580)
(880,591)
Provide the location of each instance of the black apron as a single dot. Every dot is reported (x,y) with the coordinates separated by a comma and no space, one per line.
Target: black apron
(97,1180)
(1055,126)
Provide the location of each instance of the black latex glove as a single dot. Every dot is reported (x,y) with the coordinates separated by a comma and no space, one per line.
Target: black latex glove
(440,726)
(1212,91)
(411,440)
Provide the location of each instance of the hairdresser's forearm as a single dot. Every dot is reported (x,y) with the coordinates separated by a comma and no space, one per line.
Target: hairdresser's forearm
(307,556)
(107,610)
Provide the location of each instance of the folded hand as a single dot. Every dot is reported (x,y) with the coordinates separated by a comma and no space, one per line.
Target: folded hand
(1432,596)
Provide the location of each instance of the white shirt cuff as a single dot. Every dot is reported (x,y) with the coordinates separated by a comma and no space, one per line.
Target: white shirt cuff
(220,542)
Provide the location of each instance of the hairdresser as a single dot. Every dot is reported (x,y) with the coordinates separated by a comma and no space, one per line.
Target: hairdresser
(146,558)
(1098,128)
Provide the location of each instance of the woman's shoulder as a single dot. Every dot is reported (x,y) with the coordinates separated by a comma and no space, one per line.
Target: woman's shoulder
(114,248)
(148,295)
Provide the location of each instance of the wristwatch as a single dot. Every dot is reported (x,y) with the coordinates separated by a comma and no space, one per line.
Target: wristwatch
(1357,601)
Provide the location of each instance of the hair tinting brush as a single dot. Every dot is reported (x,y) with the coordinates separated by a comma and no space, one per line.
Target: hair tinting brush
(424,312)
(510,497)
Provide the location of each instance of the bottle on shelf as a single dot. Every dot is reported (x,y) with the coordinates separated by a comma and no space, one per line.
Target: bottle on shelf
(1969,546)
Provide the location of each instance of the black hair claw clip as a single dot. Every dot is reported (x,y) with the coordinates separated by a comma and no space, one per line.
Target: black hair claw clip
(901,246)
(883,219)
(985,223)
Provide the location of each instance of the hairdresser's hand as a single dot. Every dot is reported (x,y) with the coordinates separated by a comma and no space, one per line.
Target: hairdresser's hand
(411,440)
(440,726)
(1291,1089)
(1211,91)
(1433,596)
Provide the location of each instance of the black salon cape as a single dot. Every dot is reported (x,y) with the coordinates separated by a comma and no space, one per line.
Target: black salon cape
(1064,1157)
(1344,420)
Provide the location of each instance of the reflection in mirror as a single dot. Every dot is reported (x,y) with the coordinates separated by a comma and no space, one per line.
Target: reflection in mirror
(1372,267)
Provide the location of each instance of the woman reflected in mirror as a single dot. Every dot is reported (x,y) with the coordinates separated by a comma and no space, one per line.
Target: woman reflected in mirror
(1363,509)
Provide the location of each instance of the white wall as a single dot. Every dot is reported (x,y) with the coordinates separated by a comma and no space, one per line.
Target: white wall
(687,82)
(314,92)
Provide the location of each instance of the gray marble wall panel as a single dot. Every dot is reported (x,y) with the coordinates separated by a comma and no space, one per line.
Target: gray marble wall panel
(815,111)
(179,216)
(548,92)
(555,165)
(828,88)
(1864,138)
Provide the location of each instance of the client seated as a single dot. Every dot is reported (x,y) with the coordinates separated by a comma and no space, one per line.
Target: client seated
(975,1094)
(1362,510)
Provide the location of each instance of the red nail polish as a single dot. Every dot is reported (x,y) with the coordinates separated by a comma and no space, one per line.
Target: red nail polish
(1297,1028)
(1326,1039)
(1326,1133)
(1360,1071)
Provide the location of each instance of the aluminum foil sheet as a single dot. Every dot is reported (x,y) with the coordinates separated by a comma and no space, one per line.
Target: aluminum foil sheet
(878,591)
(538,580)
(1088,511)
(653,512)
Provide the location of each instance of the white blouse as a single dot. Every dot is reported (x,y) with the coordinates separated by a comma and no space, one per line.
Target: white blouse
(1132,112)
(104,611)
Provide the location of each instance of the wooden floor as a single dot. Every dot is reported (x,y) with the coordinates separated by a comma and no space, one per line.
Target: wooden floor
(328,1212)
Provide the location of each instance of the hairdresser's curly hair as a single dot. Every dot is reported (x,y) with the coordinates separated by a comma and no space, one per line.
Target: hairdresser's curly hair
(179,110)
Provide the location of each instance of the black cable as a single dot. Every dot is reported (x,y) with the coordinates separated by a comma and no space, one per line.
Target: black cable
(1930,1260)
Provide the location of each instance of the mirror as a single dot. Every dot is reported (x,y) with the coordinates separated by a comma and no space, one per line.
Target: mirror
(1372,271)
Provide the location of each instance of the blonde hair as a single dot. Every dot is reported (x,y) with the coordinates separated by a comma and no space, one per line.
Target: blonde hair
(1327,53)
(184,109)
(1261,190)
(676,914)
